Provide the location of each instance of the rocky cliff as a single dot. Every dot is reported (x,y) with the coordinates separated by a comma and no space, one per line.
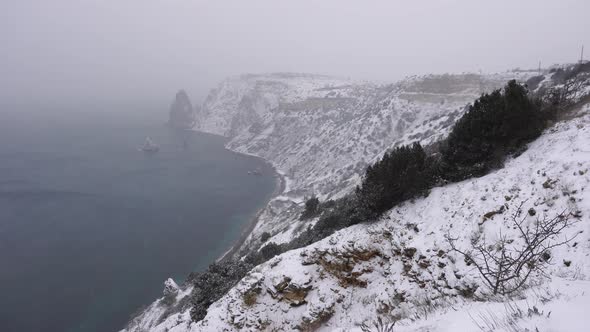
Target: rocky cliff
(182,114)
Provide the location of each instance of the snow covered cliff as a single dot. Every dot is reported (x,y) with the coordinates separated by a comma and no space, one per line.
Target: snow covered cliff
(321,133)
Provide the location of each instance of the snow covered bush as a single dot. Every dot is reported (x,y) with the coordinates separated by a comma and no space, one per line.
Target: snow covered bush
(212,284)
(378,326)
(505,266)
(572,86)
(271,250)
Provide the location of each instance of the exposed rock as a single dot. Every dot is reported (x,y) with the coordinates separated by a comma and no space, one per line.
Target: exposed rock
(290,292)
(170,287)
(182,113)
(345,265)
(409,252)
(491,214)
(549,184)
(424,263)
(316,319)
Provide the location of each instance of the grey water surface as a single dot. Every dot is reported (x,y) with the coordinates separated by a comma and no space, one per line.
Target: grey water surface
(90,226)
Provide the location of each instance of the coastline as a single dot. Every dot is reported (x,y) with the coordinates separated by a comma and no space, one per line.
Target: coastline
(280,186)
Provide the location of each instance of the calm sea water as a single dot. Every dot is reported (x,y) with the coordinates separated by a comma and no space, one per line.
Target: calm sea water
(90,227)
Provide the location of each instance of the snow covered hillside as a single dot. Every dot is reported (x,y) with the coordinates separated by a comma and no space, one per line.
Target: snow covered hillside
(322,132)
(402,269)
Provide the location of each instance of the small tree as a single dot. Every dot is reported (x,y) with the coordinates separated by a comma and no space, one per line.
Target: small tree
(264,237)
(507,265)
(271,250)
(311,208)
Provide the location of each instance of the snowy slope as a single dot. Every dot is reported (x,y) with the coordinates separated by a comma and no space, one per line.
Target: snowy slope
(424,108)
(402,269)
(322,132)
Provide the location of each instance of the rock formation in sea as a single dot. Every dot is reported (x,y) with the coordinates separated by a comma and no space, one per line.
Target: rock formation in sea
(182,112)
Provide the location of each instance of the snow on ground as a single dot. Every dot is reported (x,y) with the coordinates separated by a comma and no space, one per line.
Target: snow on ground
(545,310)
(402,268)
(320,132)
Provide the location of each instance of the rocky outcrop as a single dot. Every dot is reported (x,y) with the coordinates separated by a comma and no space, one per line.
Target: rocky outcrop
(182,113)
(170,287)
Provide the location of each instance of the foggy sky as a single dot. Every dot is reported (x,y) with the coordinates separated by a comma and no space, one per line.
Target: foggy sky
(147,49)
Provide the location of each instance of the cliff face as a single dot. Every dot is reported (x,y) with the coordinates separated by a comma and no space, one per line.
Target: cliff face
(182,113)
(321,132)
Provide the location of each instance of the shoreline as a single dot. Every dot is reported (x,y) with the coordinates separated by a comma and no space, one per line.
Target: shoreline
(247,229)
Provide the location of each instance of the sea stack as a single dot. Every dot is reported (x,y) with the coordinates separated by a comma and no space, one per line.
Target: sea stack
(182,113)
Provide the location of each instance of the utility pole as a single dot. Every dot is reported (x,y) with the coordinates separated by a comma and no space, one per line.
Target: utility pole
(582,55)
(539,67)
(480,81)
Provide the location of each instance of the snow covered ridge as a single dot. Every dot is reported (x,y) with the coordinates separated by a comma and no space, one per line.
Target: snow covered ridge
(402,269)
(322,132)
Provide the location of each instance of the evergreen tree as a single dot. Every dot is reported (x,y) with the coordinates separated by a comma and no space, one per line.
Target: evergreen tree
(311,208)
(401,174)
(496,124)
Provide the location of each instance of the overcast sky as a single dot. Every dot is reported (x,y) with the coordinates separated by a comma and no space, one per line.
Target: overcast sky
(147,49)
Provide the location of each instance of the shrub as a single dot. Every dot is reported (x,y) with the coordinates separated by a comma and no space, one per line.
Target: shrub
(249,298)
(573,83)
(401,174)
(506,266)
(344,212)
(495,125)
(264,237)
(311,208)
(271,250)
(211,285)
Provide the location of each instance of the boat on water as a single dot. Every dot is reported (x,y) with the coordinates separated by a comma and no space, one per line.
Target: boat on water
(149,146)
(257,171)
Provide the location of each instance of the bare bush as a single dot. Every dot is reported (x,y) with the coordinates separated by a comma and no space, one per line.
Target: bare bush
(490,320)
(506,265)
(379,326)
(567,94)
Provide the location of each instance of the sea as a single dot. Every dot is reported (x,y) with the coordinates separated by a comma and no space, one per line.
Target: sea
(91,227)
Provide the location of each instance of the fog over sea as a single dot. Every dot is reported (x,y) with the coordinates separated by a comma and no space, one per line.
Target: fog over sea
(90,227)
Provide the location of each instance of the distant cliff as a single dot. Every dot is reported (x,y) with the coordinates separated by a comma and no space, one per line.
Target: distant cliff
(182,112)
